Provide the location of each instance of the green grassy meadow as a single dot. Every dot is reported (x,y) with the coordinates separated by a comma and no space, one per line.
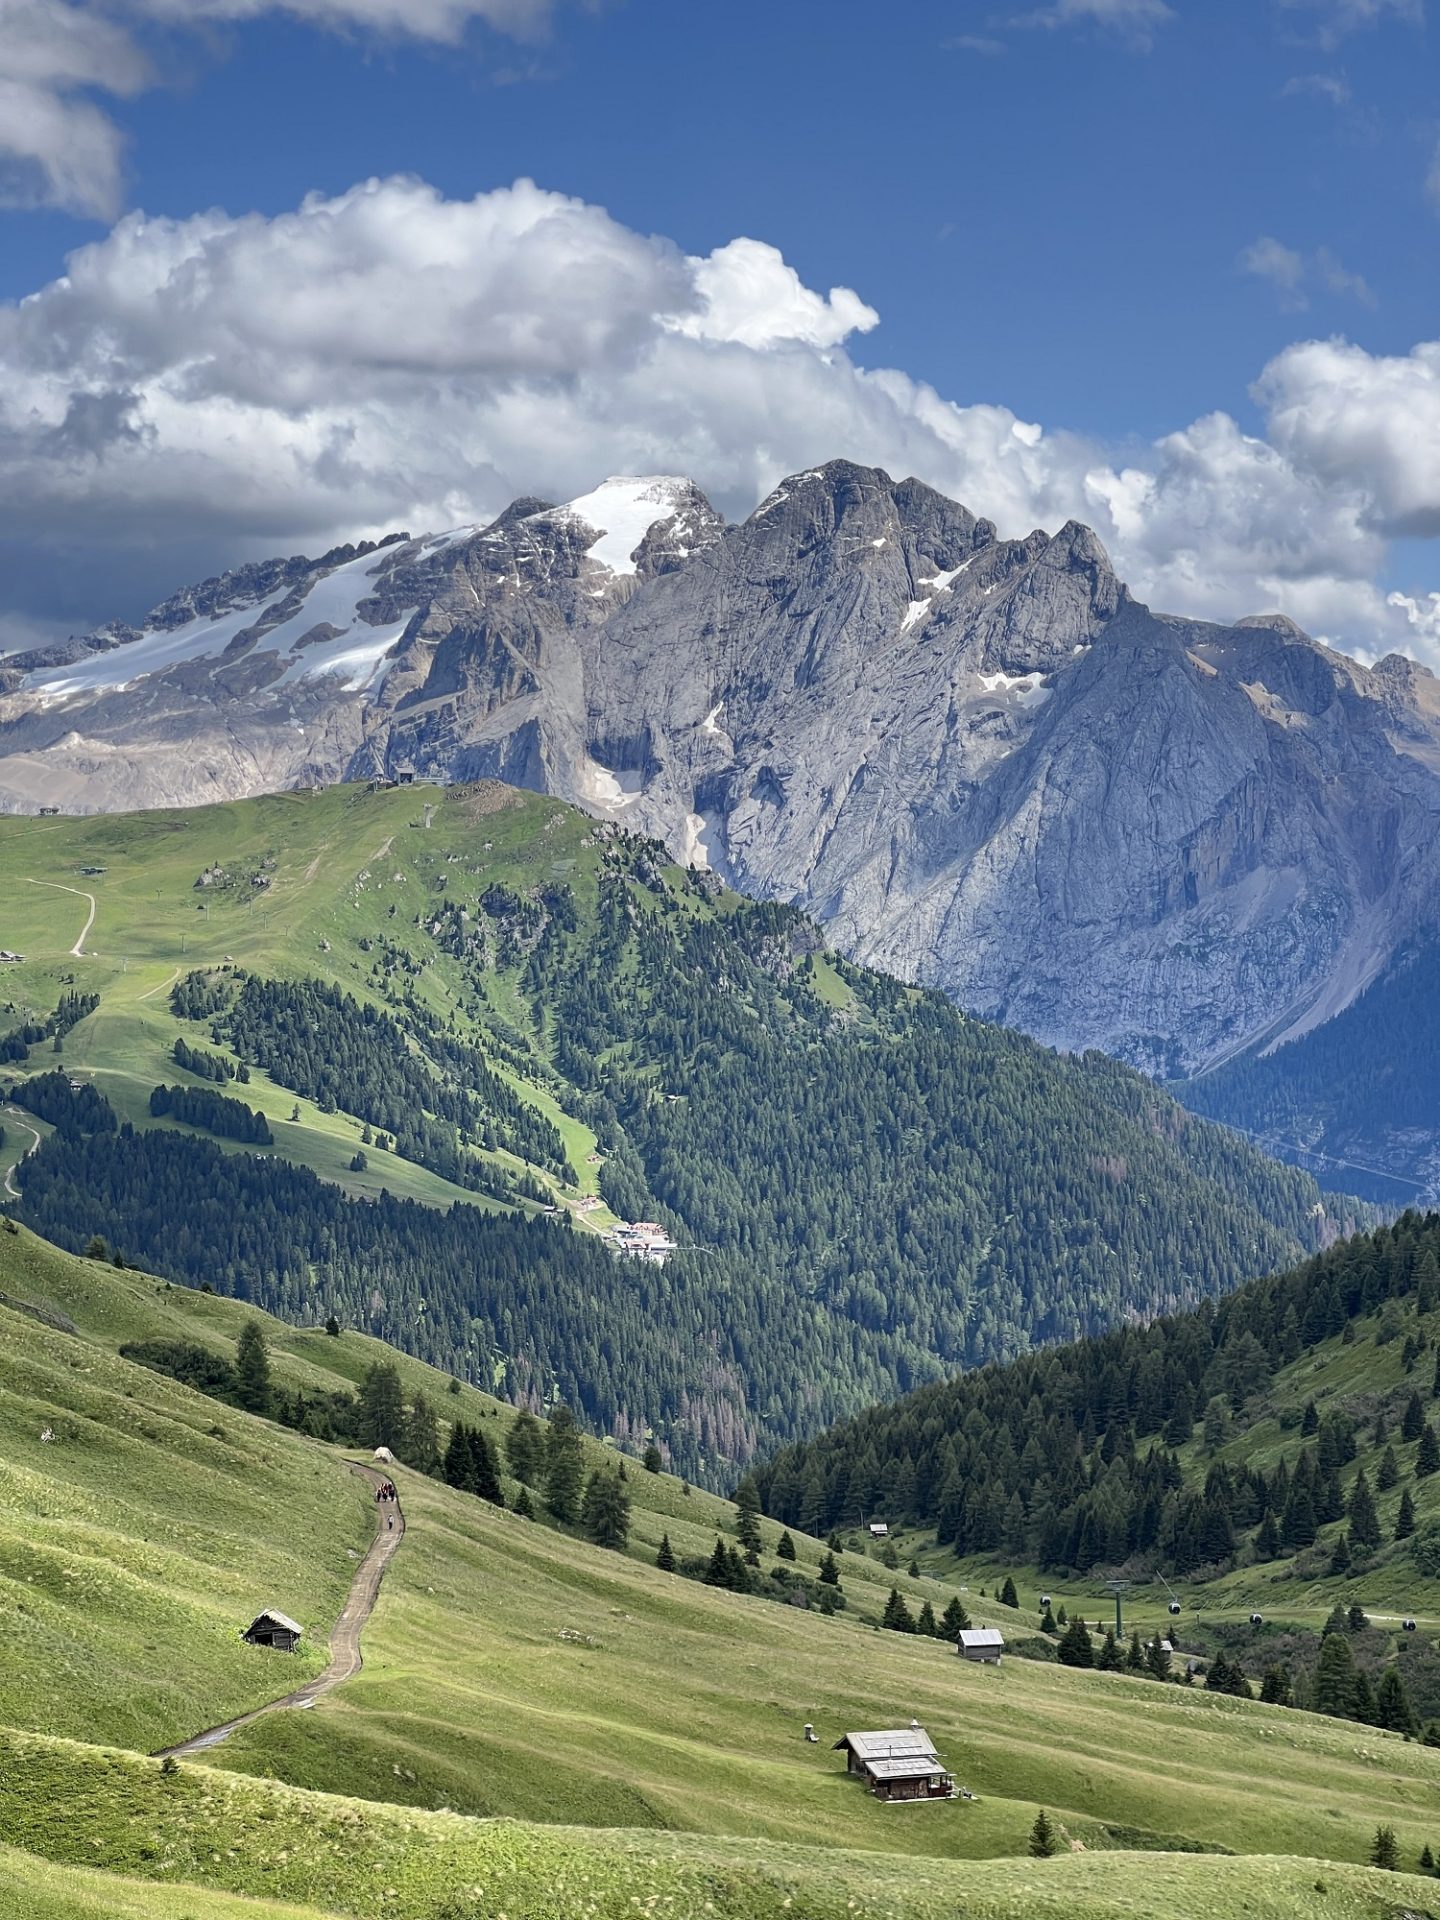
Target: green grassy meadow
(342,865)
(542,1728)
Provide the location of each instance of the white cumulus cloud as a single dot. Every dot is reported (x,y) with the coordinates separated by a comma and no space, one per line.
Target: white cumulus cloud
(200,391)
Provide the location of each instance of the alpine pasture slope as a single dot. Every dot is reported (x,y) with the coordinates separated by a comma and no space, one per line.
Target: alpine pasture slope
(631,1735)
(675,1051)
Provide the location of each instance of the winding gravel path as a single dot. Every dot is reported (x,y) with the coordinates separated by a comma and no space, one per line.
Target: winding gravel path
(345,1657)
(78,950)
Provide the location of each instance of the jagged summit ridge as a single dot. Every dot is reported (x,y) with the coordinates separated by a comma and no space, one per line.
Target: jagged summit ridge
(980,761)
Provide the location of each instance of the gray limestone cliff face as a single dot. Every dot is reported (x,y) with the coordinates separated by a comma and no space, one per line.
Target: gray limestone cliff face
(979,761)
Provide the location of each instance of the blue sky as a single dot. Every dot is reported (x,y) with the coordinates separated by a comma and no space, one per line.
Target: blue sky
(1104,217)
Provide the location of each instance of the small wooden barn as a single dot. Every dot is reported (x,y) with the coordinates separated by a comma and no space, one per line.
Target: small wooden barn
(272,1629)
(986,1644)
(897,1765)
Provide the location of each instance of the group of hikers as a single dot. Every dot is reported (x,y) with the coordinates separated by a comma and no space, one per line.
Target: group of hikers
(386,1491)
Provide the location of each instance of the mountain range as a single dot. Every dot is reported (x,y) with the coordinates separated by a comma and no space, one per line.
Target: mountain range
(980,763)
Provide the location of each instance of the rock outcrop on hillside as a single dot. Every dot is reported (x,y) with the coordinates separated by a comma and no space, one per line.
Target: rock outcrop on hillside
(979,761)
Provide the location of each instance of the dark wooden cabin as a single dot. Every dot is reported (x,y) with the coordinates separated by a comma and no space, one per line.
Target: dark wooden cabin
(901,1764)
(273,1629)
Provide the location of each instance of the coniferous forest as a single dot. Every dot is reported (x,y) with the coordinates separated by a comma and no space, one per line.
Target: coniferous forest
(868,1189)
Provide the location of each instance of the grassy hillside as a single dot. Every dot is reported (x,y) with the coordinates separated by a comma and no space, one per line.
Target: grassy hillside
(1326,1365)
(454,1009)
(620,1730)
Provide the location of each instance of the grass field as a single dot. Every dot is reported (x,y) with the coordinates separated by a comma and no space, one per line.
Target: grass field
(516,1673)
(342,866)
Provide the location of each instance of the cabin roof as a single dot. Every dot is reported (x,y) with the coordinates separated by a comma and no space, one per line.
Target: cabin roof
(276,1619)
(907,1743)
(915,1767)
(981,1637)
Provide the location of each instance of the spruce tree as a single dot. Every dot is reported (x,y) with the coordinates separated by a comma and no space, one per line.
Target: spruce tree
(564,1464)
(1393,1708)
(829,1570)
(1387,1474)
(1110,1658)
(380,1417)
(1008,1595)
(1042,1837)
(253,1387)
(954,1620)
(717,1573)
(925,1622)
(484,1470)
(1364,1521)
(1383,1850)
(1427,1859)
(1277,1688)
(524,1505)
(422,1437)
(785,1547)
(1335,1678)
(1076,1647)
(1157,1659)
(605,1510)
(665,1558)
(897,1616)
(652,1459)
(457,1468)
(1047,1622)
(1413,1422)
(1427,1454)
(1405,1518)
(525,1447)
(747,1513)
(1135,1654)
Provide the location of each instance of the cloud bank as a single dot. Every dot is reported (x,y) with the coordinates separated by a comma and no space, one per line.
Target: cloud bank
(388,357)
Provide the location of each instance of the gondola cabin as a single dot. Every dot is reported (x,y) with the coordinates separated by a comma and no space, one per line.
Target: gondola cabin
(276,1630)
(901,1765)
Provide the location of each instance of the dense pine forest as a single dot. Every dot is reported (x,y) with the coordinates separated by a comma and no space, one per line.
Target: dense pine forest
(867,1189)
(1071,1458)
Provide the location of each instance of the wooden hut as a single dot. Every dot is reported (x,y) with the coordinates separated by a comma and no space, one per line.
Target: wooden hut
(272,1629)
(901,1764)
(985,1644)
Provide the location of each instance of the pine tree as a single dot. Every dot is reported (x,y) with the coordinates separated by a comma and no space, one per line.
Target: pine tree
(381,1414)
(1413,1422)
(1427,1859)
(1393,1708)
(524,1505)
(1047,1622)
(925,1623)
(484,1470)
(1110,1658)
(525,1447)
(717,1573)
(1135,1654)
(564,1464)
(651,1459)
(785,1547)
(1042,1837)
(1336,1621)
(253,1387)
(954,1620)
(747,1513)
(1427,1454)
(605,1510)
(1157,1659)
(1267,1539)
(1383,1850)
(1310,1422)
(1356,1618)
(422,1437)
(1387,1474)
(1364,1521)
(1405,1518)
(1277,1688)
(829,1571)
(1335,1678)
(665,1558)
(1008,1596)
(1076,1647)
(457,1468)
(897,1616)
